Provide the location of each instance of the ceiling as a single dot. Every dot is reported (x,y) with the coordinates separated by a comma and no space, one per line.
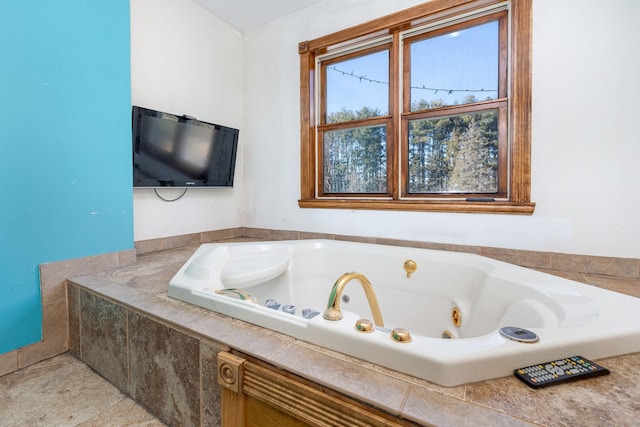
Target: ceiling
(247,14)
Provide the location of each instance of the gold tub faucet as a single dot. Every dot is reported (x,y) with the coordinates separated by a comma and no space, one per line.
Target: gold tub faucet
(333,311)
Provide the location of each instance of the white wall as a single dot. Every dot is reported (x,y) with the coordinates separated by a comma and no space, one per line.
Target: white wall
(185,60)
(586,146)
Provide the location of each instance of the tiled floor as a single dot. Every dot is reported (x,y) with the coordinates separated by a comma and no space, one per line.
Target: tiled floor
(63,391)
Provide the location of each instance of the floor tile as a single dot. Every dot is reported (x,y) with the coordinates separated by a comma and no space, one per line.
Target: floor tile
(63,391)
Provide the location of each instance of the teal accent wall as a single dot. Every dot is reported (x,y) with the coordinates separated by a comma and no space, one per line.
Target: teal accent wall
(65,138)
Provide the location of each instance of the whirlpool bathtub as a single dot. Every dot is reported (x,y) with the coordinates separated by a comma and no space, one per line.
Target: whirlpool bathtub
(447,317)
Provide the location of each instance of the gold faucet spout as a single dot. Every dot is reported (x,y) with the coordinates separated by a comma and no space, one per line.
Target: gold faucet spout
(333,311)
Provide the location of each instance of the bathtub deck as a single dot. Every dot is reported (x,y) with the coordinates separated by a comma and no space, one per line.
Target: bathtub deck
(610,400)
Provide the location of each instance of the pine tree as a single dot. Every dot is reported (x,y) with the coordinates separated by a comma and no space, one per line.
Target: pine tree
(475,166)
(355,160)
(450,154)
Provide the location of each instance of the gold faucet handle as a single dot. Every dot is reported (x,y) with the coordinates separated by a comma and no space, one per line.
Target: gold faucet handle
(401,335)
(410,267)
(364,325)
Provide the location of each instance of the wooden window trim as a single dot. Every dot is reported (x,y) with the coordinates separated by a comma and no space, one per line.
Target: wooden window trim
(519,200)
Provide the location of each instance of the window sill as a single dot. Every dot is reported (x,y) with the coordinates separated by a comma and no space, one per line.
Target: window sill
(458,206)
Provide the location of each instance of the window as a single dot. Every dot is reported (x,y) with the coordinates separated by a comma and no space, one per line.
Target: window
(427,109)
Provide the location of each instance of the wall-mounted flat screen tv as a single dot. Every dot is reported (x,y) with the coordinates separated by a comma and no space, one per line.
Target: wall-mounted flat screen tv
(180,151)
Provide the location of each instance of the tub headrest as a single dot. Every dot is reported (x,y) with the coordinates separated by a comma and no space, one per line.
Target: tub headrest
(209,264)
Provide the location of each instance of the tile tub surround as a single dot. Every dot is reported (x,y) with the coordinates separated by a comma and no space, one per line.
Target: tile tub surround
(576,267)
(55,317)
(151,336)
(158,366)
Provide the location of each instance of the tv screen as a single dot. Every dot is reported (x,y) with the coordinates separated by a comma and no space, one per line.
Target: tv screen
(180,151)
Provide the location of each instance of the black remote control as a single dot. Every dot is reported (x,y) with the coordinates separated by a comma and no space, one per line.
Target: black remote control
(559,371)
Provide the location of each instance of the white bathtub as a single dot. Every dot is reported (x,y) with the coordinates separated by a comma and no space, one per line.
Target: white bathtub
(569,318)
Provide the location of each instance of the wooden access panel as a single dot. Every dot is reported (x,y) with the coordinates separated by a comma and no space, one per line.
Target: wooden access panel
(256,394)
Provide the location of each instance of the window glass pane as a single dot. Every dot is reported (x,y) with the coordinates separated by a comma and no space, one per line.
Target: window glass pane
(460,67)
(358,88)
(454,154)
(355,160)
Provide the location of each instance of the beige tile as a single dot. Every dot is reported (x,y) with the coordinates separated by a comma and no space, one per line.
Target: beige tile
(441,410)
(37,370)
(183,240)
(623,267)
(380,371)
(152,278)
(48,392)
(85,265)
(11,413)
(8,362)
(91,282)
(180,314)
(86,398)
(601,401)
(172,255)
(443,247)
(148,246)
(52,284)
(617,284)
(359,239)
(283,235)
(124,413)
(123,295)
(307,235)
(397,242)
(165,372)
(217,235)
(530,259)
(257,233)
(241,232)
(239,240)
(159,306)
(127,257)
(268,234)
(34,353)
(103,332)
(55,332)
(452,248)
(571,275)
(245,337)
(62,391)
(144,247)
(274,234)
(55,328)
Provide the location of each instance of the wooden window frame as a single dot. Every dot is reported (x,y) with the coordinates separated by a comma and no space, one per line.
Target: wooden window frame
(517,200)
(385,120)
